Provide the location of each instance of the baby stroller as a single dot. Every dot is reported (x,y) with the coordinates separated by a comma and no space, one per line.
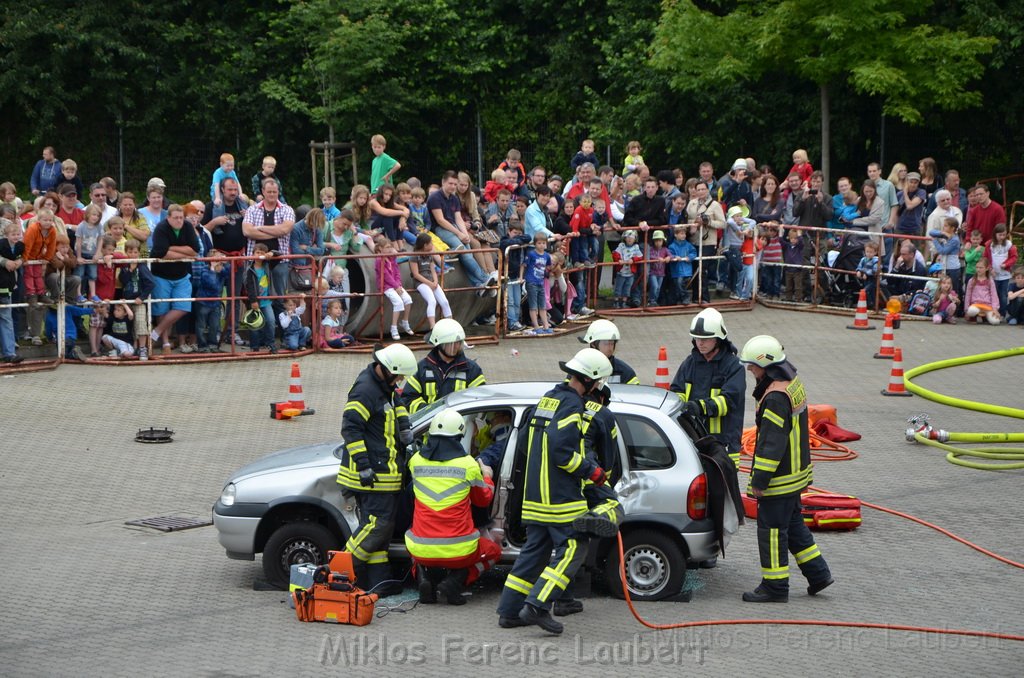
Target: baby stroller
(841,287)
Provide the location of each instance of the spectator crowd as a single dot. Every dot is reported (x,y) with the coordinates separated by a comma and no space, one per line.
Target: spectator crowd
(915,236)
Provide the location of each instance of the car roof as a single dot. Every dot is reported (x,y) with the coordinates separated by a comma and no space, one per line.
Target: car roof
(531,391)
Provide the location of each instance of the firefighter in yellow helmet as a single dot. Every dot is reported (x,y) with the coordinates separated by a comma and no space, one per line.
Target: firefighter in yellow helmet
(781,470)
(375,426)
(557,464)
(446,548)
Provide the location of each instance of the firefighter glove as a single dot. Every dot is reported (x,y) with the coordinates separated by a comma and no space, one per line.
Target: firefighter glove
(598,477)
(693,407)
(367,477)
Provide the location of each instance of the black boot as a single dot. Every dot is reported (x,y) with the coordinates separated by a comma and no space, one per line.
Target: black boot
(596,525)
(541,617)
(452,585)
(564,607)
(761,595)
(428,596)
(818,587)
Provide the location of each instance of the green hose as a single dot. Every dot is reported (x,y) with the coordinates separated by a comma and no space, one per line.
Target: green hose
(999,458)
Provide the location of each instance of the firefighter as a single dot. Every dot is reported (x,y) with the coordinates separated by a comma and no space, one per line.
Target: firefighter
(445,546)
(711,381)
(604,513)
(446,368)
(782,469)
(375,426)
(557,464)
(604,336)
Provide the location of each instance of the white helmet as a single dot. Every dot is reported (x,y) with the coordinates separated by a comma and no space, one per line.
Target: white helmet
(448,422)
(590,364)
(762,351)
(447,331)
(601,330)
(708,324)
(397,359)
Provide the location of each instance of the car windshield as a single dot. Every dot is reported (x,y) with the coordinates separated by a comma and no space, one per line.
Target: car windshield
(425,414)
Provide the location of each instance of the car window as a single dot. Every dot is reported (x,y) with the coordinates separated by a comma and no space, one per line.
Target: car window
(646,446)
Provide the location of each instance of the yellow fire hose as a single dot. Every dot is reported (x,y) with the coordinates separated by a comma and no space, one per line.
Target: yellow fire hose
(920,429)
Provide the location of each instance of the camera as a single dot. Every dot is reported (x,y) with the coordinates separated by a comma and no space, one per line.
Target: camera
(812,191)
(705,219)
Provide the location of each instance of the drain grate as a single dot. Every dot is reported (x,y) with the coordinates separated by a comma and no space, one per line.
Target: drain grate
(154,435)
(170,523)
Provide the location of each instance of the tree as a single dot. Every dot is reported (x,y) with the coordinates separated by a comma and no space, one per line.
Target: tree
(882,48)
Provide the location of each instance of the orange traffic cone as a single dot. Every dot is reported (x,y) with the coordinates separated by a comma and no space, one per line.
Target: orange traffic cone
(896,387)
(295,389)
(886,351)
(661,373)
(860,320)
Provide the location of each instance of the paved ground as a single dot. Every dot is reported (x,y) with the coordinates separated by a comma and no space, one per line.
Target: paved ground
(87,595)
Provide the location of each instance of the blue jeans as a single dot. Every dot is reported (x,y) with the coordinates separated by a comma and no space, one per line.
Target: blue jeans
(535,296)
(682,292)
(1002,289)
(654,283)
(515,301)
(296,339)
(731,267)
(8,345)
(745,283)
(771,279)
(623,283)
(208,324)
(473,271)
(264,336)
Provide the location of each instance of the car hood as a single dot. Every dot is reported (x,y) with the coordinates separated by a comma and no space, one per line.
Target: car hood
(307,456)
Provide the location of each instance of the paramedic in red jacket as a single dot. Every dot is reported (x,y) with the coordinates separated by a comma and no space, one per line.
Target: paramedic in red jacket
(447,549)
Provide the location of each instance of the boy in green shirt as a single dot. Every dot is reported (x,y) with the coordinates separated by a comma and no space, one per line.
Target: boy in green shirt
(383,165)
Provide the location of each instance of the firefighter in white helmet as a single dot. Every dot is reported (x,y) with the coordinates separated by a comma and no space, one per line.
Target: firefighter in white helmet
(444,370)
(604,336)
(781,470)
(375,426)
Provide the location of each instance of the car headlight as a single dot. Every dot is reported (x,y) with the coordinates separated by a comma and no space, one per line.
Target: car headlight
(227,497)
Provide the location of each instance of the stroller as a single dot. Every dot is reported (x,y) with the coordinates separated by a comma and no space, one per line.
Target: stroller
(841,287)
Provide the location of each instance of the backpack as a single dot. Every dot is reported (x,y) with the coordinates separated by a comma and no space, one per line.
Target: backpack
(920,303)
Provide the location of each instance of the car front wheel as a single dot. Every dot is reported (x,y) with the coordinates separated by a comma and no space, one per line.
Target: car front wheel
(655,566)
(294,544)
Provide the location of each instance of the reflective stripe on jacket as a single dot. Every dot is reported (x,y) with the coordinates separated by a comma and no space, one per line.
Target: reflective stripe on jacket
(782,454)
(369,425)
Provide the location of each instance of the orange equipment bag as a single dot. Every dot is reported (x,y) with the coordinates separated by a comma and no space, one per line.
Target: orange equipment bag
(334,597)
(821,510)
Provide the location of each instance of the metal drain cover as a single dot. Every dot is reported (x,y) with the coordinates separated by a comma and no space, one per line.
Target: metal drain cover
(154,435)
(170,523)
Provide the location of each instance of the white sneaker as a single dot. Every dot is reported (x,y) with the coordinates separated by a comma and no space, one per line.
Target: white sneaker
(112,353)
(143,353)
(407,329)
(585,311)
(154,336)
(394,334)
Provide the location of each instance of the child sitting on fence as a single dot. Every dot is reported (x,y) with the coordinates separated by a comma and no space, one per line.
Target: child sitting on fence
(296,335)
(424,272)
(389,282)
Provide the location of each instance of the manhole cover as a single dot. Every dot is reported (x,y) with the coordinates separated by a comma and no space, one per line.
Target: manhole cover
(170,523)
(154,435)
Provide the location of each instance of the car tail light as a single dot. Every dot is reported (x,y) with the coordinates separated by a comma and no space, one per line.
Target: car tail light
(697,498)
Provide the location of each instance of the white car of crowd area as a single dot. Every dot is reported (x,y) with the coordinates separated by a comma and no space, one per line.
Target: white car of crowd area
(289,507)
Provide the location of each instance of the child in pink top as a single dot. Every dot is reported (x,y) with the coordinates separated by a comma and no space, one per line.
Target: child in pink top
(981,299)
(389,280)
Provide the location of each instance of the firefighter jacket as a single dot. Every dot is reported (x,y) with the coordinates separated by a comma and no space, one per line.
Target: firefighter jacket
(601,435)
(719,386)
(556,459)
(445,482)
(622,373)
(782,454)
(435,378)
(370,426)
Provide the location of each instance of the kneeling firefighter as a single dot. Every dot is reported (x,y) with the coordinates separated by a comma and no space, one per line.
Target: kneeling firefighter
(781,470)
(375,426)
(446,548)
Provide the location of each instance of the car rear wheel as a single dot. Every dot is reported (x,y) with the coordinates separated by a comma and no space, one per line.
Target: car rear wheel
(294,544)
(655,566)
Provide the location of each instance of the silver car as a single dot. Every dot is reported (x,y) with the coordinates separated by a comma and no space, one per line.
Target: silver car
(288,505)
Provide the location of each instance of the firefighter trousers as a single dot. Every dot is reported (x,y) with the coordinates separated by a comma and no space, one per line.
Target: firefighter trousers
(369,543)
(538,577)
(781,531)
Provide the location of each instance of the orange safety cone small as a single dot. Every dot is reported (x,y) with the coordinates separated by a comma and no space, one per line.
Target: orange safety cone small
(887,350)
(661,373)
(860,320)
(295,388)
(896,386)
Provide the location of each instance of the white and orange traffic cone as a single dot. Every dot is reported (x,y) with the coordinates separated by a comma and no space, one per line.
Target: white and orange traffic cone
(661,372)
(860,320)
(295,398)
(887,350)
(896,386)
